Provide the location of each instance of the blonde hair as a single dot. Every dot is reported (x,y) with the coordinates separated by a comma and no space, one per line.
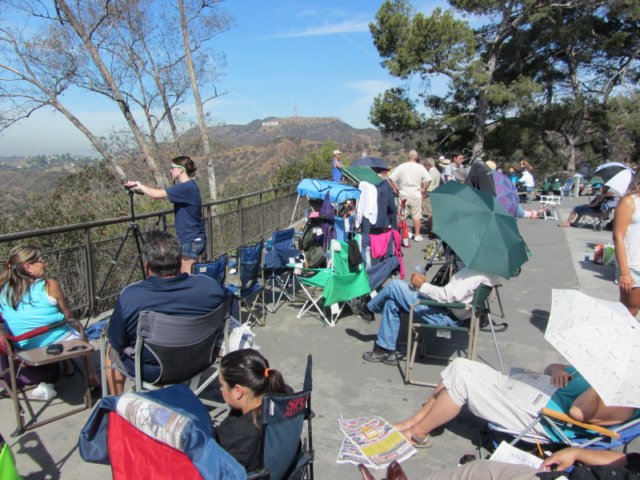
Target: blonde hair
(14,277)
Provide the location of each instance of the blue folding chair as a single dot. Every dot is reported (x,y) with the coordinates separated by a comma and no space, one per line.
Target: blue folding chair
(284,455)
(216,269)
(249,258)
(583,435)
(275,267)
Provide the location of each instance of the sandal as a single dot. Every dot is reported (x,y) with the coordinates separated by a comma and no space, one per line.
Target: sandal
(422,442)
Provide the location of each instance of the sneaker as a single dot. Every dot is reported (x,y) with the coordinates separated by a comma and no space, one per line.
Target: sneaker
(418,238)
(44,391)
(381,356)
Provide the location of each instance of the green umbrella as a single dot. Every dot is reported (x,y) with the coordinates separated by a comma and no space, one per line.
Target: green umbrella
(478,229)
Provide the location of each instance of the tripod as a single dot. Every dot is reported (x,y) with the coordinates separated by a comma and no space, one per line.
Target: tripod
(132,229)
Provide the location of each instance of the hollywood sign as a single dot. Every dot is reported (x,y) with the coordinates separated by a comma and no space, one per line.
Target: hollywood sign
(270,124)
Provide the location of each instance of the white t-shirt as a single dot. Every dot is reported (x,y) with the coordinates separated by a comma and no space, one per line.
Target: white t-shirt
(410,176)
(527,179)
(435,179)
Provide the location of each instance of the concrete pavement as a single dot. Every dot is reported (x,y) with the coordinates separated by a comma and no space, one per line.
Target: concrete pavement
(346,385)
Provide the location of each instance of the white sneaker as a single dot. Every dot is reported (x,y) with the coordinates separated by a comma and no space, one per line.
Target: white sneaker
(417,238)
(44,391)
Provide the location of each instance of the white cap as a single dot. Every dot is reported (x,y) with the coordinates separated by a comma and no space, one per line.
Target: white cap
(337,152)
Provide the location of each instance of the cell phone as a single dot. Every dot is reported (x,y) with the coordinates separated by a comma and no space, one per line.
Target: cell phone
(55,349)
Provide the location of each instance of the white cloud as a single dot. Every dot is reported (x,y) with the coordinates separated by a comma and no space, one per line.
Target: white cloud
(347,26)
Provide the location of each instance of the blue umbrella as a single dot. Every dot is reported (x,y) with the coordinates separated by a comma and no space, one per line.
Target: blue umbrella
(375,163)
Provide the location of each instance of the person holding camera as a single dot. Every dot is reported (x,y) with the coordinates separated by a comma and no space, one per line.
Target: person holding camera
(187,208)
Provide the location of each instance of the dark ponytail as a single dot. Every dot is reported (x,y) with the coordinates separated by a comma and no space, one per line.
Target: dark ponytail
(250,369)
(187,163)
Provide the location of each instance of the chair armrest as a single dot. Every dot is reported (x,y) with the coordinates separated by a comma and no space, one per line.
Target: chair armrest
(433,303)
(587,426)
(35,332)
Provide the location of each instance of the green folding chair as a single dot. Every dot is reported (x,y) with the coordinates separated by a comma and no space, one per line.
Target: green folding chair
(330,288)
(479,306)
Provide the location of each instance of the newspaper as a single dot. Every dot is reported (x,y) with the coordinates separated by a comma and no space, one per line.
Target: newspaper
(506,453)
(372,441)
(530,391)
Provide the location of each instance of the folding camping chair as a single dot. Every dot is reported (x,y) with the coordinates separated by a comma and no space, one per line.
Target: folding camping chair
(185,347)
(586,435)
(551,203)
(283,455)
(37,357)
(249,258)
(216,269)
(332,286)
(170,426)
(600,218)
(479,306)
(275,267)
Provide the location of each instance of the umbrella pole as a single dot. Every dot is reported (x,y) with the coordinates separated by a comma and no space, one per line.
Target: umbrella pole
(433,256)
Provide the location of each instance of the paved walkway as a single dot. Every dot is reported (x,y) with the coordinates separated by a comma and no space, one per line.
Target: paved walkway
(346,385)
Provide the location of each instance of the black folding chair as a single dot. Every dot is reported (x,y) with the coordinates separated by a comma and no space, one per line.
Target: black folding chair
(185,348)
(283,454)
(249,258)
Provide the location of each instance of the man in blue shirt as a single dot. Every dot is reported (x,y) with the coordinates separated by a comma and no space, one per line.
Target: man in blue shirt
(336,165)
(166,290)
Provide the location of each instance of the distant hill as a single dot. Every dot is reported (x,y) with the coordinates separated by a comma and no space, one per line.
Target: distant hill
(245,156)
(261,132)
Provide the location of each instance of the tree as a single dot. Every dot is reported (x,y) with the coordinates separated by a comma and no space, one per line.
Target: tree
(317,164)
(199,104)
(125,51)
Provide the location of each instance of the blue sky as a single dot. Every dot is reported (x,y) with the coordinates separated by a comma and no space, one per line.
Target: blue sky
(314,58)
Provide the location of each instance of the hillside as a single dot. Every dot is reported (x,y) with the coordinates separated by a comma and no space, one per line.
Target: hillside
(245,156)
(261,132)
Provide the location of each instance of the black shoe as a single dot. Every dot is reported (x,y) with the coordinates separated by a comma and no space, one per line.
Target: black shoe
(359,307)
(381,356)
(366,314)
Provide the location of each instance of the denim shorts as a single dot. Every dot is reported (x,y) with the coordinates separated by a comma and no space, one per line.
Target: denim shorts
(635,276)
(193,249)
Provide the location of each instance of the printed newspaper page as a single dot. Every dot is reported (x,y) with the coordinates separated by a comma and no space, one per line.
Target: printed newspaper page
(530,391)
(506,453)
(376,440)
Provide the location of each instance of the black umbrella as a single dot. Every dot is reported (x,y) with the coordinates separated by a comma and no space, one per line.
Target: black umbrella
(375,163)
(479,177)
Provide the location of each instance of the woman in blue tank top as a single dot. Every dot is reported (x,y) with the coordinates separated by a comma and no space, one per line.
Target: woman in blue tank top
(28,300)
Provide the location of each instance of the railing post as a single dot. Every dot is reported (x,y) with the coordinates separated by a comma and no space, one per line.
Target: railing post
(261,217)
(90,271)
(208,225)
(240,223)
(277,210)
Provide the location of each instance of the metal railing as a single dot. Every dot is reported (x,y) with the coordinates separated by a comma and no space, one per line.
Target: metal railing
(80,255)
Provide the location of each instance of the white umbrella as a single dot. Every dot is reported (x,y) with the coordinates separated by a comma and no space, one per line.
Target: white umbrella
(616,176)
(601,339)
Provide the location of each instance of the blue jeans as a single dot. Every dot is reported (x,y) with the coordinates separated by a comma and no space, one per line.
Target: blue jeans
(398,297)
(194,248)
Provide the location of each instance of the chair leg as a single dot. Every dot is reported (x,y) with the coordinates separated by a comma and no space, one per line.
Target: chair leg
(495,341)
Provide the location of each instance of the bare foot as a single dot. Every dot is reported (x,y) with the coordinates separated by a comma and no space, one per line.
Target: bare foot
(405,424)
(564,224)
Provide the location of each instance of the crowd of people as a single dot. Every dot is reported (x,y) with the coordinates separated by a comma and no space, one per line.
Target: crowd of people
(28,299)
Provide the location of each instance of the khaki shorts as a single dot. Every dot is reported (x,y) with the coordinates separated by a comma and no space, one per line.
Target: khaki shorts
(414,207)
(426,207)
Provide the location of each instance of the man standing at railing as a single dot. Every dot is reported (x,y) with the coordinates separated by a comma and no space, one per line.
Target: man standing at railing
(187,207)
